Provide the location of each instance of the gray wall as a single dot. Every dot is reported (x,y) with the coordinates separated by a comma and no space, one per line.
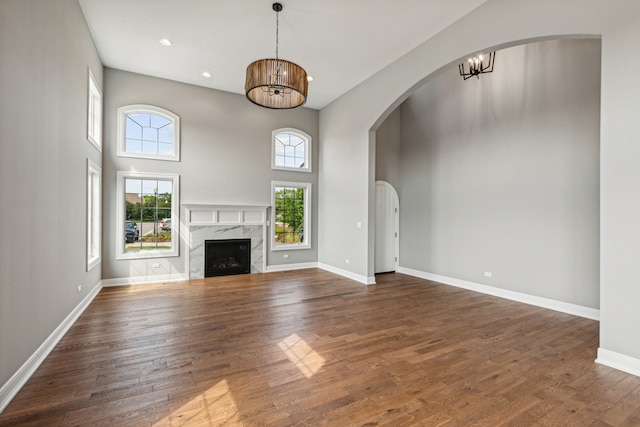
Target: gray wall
(501,174)
(388,150)
(347,153)
(225,158)
(45,52)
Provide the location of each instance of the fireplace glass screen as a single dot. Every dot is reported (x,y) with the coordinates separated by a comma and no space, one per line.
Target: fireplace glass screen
(226,257)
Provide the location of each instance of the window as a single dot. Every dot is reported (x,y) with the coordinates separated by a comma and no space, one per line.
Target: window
(147,215)
(290,215)
(94,113)
(148,132)
(94,174)
(291,150)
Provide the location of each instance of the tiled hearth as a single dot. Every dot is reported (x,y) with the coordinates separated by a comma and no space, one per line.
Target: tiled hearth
(211,222)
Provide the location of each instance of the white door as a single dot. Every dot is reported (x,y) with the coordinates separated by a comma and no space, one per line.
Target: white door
(386,228)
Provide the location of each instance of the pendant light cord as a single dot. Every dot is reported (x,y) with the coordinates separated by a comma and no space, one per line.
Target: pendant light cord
(277,31)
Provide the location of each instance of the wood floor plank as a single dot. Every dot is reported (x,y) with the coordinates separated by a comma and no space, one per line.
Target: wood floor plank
(312,348)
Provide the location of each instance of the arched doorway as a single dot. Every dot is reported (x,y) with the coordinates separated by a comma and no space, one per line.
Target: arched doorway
(387,226)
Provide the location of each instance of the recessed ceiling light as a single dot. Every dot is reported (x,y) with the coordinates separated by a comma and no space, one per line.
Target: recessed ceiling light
(165,42)
(309,78)
(206,74)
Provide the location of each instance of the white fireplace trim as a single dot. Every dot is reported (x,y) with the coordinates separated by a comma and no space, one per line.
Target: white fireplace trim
(217,216)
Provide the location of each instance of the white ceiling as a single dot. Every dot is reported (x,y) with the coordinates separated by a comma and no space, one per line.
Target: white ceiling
(340,43)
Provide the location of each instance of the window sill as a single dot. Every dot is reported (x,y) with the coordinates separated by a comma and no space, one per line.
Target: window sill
(290,247)
(146,254)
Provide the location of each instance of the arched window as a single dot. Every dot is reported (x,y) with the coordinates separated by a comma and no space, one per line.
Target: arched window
(291,150)
(148,132)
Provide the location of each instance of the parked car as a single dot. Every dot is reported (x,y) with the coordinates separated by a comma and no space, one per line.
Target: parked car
(165,224)
(131,232)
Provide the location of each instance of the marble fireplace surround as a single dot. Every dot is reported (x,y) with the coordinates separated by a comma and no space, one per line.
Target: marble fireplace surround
(214,222)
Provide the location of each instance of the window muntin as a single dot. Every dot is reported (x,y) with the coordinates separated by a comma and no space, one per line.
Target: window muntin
(94,226)
(291,150)
(94,113)
(148,208)
(149,132)
(290,215)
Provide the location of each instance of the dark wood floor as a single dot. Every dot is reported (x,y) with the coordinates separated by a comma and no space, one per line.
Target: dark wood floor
(312,348)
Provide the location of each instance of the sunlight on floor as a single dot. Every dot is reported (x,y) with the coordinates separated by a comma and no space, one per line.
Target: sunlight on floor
(214,407)
(302,355)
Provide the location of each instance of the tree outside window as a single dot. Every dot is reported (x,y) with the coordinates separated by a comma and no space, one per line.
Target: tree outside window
(290,215)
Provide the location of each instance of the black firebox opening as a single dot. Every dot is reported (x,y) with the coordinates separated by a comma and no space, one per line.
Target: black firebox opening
(226,257)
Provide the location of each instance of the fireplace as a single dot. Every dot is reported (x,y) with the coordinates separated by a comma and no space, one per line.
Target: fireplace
(226,257)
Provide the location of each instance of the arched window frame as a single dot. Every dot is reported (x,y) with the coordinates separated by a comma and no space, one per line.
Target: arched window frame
(307,149)
(124,112)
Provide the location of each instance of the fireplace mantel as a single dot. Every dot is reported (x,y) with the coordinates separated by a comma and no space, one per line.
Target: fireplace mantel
(207,214)
(216,221)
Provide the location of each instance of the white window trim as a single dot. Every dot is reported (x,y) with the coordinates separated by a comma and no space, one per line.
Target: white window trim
(121,253)
(307,151)
(94,113)
(141,108)
(94,214)
(307,216)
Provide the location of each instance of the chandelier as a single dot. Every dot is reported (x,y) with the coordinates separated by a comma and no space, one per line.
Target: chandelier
(476,66)
(276,83)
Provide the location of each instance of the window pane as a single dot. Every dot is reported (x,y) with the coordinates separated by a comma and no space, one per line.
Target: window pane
(142,119)
(288,162)
(290,150)
(147,133)
(150,134)
(149,147)
(166,134)
(133,146)
(147,207)
(165,149)
(289,215)
(157,121)
(133,130)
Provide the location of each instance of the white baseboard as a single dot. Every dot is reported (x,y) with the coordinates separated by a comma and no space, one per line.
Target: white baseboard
(22,375)
(140,280)
(564,307)
(618,361)
(365,280)
(289,267)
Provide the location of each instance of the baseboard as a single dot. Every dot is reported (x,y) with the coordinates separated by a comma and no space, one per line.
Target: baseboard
(140,280)
(22,375)
(289,267)
(348,274)
(618,361)
(564,307)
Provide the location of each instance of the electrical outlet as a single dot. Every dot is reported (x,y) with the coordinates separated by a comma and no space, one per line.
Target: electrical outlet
(156,265)
(79,288)
(358,224)
(488,274)
(347,261)
(285,256)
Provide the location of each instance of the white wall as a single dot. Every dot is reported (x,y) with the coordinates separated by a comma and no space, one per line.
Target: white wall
(225,159)
(501,174)
(45,54)
(347,171)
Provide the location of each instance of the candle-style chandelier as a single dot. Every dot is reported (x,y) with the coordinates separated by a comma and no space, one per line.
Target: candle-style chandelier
(477,66)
